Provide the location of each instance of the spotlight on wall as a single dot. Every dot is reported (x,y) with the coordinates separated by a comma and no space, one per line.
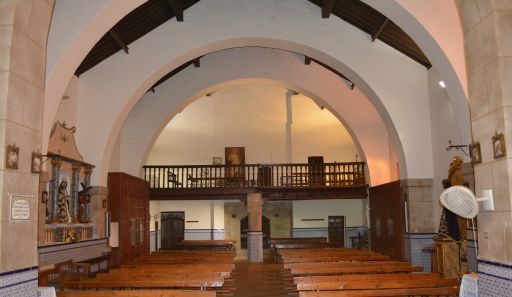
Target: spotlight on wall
(442,84)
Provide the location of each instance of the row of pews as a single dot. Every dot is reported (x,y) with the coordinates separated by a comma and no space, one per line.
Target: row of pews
(346,272)
(178,273)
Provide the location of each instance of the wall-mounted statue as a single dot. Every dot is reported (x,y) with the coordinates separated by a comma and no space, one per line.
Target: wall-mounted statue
(62,202)
(84,198)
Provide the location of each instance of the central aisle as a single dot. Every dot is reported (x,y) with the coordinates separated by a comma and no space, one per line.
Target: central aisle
(259,279)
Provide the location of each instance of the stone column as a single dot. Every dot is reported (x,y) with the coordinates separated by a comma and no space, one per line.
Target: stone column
(87,183)
(488,44)
(255,233)
(24,26)
(75,187)
(421,221)
(54,190)
(97,211)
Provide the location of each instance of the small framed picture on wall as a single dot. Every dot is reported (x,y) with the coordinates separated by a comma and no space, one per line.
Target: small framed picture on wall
(498,144)
(12,156)
(36,162)
(217,160)
(476,154)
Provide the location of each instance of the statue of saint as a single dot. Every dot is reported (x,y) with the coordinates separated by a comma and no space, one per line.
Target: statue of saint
(62,202)
(84,198)
(454,172)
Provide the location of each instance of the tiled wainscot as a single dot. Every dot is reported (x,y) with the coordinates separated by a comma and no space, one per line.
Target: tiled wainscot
(19,283)
(414,249)
(494,279)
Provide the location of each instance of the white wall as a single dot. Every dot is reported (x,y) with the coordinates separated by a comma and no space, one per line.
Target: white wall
(195,210)
(254,117)
(68,107)
(443,129)
(353,209)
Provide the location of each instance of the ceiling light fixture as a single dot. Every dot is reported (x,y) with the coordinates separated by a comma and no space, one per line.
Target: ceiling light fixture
(442,84)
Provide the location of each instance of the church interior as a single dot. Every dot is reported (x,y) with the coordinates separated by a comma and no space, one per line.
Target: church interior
(311,148)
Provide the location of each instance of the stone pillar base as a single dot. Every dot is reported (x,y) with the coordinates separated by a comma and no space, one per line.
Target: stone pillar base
(255,246)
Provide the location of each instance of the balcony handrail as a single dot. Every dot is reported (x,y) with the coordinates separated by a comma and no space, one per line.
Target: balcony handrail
(253,164)
(336,174)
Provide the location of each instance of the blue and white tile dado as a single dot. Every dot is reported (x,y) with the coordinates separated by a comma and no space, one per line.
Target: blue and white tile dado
(18,283)
(495,279)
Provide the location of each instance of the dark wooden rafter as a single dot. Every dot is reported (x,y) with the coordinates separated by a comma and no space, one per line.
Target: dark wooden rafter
(133,26)
(195,62)
(369,20)
(119,40)
(153,13)
(307,61)
(379,31)
(177,9)
(327,7)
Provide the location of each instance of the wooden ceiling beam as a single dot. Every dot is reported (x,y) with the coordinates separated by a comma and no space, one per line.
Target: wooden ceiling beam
(197,62)
(306,59)
(327,7)
(177,9)
(381,28)
(118,40)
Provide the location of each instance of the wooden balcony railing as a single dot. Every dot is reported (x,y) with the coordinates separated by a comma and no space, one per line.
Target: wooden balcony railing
(256,175)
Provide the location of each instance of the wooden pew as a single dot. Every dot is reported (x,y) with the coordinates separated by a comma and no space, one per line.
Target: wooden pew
(384,292)
(217,245)
(355,277)
(315,265)
(163,283)
(295,255)
(218,267)
(187,258)
(138,293)
(377,284)
(334,258)
(169,274)
(330,270)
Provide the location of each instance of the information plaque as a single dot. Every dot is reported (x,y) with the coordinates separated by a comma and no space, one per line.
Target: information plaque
(20,207)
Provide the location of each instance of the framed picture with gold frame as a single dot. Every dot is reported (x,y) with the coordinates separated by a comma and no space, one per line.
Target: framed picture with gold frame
(12,156)
(498,145)
(476,154)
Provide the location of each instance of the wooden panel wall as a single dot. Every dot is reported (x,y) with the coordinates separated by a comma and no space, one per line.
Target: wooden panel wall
(387,220)
(128,198)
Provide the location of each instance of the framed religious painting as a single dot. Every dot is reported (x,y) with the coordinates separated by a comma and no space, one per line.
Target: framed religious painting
(12,156)
(476,154)
(498,144)
(235,156)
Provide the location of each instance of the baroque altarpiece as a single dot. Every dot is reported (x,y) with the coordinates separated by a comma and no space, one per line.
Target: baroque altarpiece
(65,208)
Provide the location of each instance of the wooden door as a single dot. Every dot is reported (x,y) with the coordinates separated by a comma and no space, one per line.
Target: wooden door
(387,220)
(173,228)
(129,206)
(336,230)
(316,171)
